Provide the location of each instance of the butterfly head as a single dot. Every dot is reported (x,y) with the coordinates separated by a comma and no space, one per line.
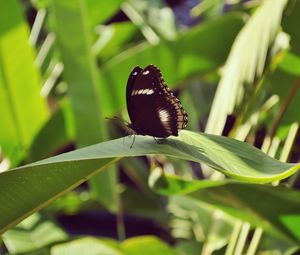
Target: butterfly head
(130,130)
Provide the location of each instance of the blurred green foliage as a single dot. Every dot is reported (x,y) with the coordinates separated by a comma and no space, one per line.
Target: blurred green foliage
(63,70)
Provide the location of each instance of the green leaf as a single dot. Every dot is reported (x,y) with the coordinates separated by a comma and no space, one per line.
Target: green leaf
(22,109)
(39,4)
(31,234)
(287,74)
(84,88)
(113,39)
(80,71)
(146,245)
(189,247)
(197,220)
(100,11)
(277,245)
(88,245)
(130,246)
(290,24)
(29,188)
(244,65)
(291,64)
(54,135)
(278,212)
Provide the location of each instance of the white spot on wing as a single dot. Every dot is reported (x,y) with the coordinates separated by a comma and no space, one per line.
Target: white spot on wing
(150,92)
(163,115)
(142,92)
(146,72)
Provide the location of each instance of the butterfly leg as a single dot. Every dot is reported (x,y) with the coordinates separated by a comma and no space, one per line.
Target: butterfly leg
(132,141)
(156,140)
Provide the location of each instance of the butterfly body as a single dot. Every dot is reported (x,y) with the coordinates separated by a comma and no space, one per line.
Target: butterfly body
(152,107)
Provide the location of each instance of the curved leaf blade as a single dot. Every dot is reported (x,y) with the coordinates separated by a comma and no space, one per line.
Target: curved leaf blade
(29,188)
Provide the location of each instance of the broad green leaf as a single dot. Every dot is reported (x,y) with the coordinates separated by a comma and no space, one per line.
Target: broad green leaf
(197,99)
(189,247)
(22,109)
(133,246)
(290,64)
(39,4)
(54,135)
(274,245)
(244,65)
(278,209)
(113,39)
(41,189)
(143,205)
(31,234)
(84,88)
(287,74)
(87,245)
(104,187)
(29,188)
(73,202)
(80,71)
(100,11)
(146,245)
(290,24)
(140,201)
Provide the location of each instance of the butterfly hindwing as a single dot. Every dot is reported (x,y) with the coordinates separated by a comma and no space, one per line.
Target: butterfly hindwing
(152,107)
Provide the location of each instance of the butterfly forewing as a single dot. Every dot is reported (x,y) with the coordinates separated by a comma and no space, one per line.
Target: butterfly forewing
(130,83)
(152,107)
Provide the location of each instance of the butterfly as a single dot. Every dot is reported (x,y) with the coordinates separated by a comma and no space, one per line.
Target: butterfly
(152,107)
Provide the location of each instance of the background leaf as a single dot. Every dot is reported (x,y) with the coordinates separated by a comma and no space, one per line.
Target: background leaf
(19,84)
(280,210)
(80,71)
(242,65)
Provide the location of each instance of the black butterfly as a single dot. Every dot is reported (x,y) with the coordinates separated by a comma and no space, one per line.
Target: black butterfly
(152,107)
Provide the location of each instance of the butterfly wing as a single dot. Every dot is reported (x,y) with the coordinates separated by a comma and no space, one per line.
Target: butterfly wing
(130,84)
(154,110)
